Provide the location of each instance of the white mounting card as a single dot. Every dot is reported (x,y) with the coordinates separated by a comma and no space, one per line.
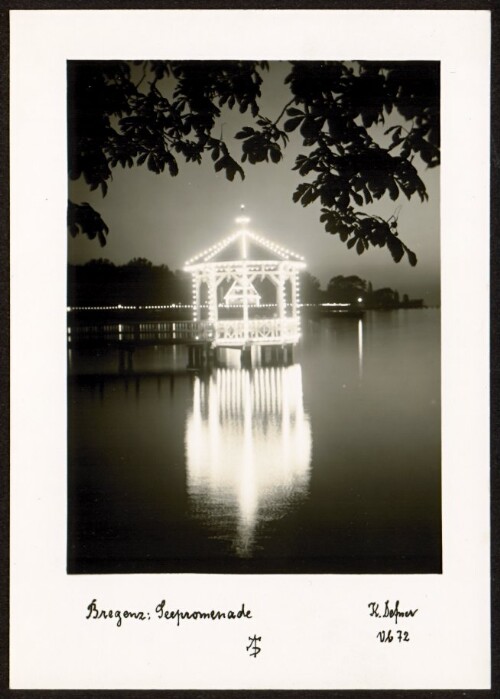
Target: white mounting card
(316,630)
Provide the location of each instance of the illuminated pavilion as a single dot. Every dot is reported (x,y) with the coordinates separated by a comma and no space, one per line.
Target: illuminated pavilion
(246,288)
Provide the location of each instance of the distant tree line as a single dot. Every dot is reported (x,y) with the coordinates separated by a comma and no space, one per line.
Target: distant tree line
(137,283)
(141,283)
(342,289)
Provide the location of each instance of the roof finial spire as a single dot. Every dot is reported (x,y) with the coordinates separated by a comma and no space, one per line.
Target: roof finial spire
(242,219)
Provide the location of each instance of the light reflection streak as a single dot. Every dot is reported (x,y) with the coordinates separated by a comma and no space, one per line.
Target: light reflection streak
(360,347)
(248,446)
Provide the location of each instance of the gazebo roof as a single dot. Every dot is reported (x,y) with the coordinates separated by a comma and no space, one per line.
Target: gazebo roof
(244,245)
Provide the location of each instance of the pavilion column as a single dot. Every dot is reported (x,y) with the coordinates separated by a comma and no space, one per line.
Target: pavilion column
(196,297)
(281,300)
(213,311)
(245,302)
(293,281)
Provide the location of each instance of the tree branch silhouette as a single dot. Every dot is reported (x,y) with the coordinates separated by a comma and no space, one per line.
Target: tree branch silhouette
(336,110)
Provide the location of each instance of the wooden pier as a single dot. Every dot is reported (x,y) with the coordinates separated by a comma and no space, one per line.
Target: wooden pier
(273,339)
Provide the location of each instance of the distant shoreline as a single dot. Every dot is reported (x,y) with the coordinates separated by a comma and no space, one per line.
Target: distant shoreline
(116,314)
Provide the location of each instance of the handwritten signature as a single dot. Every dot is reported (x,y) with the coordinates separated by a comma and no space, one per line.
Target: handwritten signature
(390,611)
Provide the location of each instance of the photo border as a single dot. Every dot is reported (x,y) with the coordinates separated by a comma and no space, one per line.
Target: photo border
(494,327)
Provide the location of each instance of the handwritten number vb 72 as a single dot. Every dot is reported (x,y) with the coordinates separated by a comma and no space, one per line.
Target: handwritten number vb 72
(389,637)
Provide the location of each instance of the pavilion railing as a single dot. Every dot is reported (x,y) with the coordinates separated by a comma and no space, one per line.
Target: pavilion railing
(222,332)
(257,331)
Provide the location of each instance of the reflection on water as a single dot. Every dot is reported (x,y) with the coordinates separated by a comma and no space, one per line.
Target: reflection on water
(360,348)
(248,447)
(331,465)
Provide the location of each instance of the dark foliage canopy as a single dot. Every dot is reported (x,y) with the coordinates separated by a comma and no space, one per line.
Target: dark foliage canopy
(156,113)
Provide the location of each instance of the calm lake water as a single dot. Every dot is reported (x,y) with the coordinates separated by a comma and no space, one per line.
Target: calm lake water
(332,464)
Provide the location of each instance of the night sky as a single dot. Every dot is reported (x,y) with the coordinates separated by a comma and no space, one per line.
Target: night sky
(169,219)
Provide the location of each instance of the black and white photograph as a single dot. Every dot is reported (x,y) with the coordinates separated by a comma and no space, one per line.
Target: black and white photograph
(254,317)
(249,337)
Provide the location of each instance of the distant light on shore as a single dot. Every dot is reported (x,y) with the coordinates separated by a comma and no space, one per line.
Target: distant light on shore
(120,307)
